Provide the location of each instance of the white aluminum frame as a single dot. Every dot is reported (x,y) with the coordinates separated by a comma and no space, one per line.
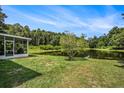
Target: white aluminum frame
(14,55)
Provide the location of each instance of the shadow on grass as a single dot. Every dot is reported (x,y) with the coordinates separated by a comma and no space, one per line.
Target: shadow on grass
(32,55)
(59,53)
(121,64)
(55,53)
(13,74)
(77,59)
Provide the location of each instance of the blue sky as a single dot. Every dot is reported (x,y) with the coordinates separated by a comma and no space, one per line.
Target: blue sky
(90,20)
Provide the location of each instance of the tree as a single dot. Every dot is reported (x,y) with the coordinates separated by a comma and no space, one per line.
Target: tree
(103,41)
(2,19)
(35,35)
(18,29)
(71,44)
(83,36)
(84,42)
(93,42)
(26,31)
(115,37)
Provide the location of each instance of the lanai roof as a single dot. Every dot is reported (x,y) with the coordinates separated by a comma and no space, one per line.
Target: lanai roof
(15,36)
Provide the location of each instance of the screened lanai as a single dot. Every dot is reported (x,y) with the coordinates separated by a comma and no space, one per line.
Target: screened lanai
(13,46)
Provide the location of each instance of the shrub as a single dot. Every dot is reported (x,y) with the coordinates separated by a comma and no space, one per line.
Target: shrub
(50,47)
(34,47)
(71,44)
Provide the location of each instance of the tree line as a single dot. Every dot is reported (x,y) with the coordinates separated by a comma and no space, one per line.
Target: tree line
(114,39)
(38,36)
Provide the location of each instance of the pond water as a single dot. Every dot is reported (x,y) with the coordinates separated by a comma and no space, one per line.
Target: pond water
(103,54)
(98,54)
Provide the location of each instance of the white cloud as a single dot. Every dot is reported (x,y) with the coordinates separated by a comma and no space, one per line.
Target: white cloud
(45,21)
(64,18)
(106,22)
(32,17)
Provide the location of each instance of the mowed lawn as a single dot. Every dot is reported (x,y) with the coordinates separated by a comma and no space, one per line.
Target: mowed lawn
(47,71)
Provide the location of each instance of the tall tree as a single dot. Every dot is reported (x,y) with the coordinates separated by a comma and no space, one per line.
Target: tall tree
(2,19)
(26,31)
(93,42)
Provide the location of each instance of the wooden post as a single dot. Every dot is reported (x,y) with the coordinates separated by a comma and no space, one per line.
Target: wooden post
(27,46)
(4,46)
(13,46)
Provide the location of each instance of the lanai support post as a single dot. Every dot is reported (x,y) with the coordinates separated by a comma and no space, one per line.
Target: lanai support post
(13,46)
(27,46)
(4,46)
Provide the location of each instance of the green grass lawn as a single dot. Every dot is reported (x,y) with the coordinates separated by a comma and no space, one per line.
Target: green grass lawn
(47,71)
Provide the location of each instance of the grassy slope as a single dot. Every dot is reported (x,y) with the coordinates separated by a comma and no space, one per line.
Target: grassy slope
(55,71)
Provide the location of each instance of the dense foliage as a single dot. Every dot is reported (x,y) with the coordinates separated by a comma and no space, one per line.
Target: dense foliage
(2,18)
(113,40)
(39,37)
